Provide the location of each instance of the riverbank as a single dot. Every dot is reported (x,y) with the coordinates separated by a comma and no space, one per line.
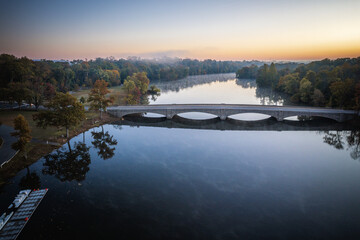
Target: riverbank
(39,147)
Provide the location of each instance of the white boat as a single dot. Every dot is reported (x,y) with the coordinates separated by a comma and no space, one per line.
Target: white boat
(4,219)
(22,195)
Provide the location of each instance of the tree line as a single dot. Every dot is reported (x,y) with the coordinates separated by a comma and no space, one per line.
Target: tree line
(330,83)
(33,78)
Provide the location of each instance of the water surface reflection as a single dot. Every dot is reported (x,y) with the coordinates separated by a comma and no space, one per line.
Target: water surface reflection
(192,182)
(216,88)
(68,164)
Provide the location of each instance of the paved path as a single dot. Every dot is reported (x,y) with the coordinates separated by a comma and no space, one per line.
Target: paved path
(6,152)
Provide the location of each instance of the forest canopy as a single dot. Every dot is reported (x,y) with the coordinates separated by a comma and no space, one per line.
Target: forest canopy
(331,83)
(63,76)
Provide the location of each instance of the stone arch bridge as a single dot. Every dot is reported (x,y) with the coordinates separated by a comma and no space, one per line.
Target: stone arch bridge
(225,110)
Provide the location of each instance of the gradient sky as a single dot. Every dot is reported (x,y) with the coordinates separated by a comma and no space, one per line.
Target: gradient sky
(216,29)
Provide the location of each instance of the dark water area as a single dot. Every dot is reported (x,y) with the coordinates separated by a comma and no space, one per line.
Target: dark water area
(172,183)
(149,178)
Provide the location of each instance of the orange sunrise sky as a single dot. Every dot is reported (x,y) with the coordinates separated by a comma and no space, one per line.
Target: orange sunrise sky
(222,30)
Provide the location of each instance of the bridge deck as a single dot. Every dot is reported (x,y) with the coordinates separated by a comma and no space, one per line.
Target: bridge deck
(225,110)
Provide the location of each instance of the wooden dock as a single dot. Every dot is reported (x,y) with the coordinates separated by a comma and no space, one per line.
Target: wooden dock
(22,215)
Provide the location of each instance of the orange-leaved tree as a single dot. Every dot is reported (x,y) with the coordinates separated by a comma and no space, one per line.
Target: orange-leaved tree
(23,133)
(97,97)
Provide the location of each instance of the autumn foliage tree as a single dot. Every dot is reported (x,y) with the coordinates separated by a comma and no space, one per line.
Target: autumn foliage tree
(133,93)
(62,110)
(22,133)
(136,86)
(97,97)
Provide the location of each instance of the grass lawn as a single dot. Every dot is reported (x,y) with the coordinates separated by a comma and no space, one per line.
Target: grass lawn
(7,118)
(37,150)
(49,133)
(117,92)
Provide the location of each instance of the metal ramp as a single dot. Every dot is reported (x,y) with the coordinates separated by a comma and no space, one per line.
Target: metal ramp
(21,215)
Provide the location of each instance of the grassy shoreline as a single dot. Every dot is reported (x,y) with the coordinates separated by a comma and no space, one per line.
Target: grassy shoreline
(117,93)
(37,150)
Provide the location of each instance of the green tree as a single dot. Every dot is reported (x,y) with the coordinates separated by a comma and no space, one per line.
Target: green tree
(342,93)
(262,79)
(97,97)
(22,133)
(291,82)
(133,93)
(318,98)
(37,93)
(141,81)
(273,76)
(19,92)
(305,90)
(136,86)
(62,110)
(311,76)
(247,72)
(357,96)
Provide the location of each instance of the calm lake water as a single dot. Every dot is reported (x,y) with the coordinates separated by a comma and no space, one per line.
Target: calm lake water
(206,180)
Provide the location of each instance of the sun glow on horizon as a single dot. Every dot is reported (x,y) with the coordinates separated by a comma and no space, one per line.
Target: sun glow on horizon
(226,30)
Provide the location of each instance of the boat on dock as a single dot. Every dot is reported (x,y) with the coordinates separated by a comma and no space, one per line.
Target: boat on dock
(4,219)
(19,199)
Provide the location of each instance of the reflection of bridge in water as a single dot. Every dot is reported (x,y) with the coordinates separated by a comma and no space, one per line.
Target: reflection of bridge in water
(223,111)
(269,124)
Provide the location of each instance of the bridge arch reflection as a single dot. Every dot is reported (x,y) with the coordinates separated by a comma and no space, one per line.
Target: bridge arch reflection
(269,124)
(223,111)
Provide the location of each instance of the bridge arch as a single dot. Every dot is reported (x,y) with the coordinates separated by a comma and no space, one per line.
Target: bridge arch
(196,115)
(249,116)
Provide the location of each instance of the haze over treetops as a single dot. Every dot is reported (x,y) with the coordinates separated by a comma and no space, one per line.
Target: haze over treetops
(222,30)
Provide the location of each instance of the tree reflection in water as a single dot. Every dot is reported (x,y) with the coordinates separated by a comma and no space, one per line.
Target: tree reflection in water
(68,165)
(103,141)
(270,97)
(246,83)
(191,81)
(154,96)
(342,139)
(30,181)
(267,95)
